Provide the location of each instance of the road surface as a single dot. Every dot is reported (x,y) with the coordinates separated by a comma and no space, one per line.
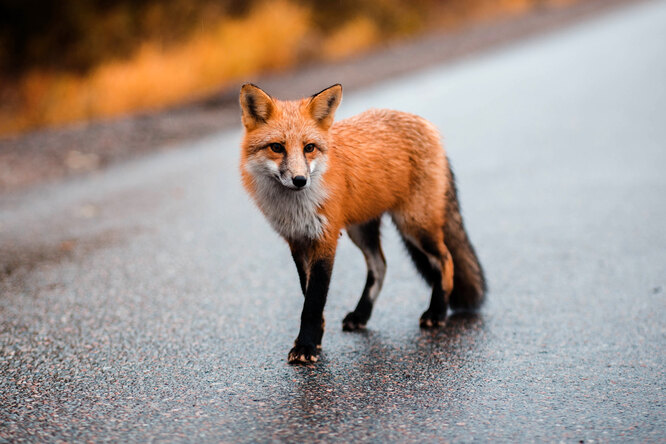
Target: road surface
(152,302)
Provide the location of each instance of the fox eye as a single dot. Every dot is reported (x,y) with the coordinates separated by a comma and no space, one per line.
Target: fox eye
(276,147)
(309,148)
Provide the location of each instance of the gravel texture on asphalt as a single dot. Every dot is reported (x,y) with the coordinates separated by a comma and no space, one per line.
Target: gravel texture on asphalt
(152,302)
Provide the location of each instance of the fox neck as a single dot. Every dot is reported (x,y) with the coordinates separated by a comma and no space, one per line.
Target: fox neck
(293,214)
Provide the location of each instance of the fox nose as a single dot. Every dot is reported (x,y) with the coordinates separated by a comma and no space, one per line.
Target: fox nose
(299,181)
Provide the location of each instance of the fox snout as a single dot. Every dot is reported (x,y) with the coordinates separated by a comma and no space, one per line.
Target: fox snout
(294,181)
(294,173)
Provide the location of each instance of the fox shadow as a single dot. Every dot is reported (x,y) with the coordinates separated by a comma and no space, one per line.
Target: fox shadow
(381,376)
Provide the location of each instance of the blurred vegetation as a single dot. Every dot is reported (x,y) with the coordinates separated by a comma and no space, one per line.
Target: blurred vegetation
(68,60)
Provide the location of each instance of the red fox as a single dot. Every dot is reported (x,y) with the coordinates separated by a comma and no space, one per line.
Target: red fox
(312,178)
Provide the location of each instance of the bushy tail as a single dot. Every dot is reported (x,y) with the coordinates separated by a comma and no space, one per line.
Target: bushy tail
(469,284)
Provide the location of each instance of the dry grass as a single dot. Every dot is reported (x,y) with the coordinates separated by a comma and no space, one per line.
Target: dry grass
(481,10)
(272,36)
(155,77)
(357,35)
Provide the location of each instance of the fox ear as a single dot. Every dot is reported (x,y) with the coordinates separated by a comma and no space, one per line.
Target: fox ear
(257,106)
(322,105)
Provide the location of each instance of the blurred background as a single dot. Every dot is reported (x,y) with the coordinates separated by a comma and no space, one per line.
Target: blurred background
(75,60)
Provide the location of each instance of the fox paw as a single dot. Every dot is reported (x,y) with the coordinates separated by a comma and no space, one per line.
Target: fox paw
(303,354)
(353,322)
(432,320)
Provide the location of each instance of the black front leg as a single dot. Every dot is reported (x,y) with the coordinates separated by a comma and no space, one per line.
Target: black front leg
(312,319)
(300,259)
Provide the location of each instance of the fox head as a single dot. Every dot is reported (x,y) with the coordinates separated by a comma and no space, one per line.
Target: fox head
(287,140)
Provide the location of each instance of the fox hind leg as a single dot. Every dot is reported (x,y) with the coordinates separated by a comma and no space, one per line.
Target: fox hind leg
(433,261)
(366,237)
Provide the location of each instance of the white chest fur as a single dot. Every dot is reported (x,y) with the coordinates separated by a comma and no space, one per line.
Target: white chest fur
(293,214)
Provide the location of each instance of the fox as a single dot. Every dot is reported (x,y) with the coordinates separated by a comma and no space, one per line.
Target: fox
(312,177)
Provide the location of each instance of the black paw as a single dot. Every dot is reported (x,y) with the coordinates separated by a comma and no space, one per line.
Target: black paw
(304,354)
(353,322)
(432,320)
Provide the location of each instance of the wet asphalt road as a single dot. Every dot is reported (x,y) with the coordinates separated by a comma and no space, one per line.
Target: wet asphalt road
(153,302)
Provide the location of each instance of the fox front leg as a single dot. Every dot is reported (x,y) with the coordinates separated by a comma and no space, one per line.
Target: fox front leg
(366,237)
(301,260)
(317,279)
(299,255)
